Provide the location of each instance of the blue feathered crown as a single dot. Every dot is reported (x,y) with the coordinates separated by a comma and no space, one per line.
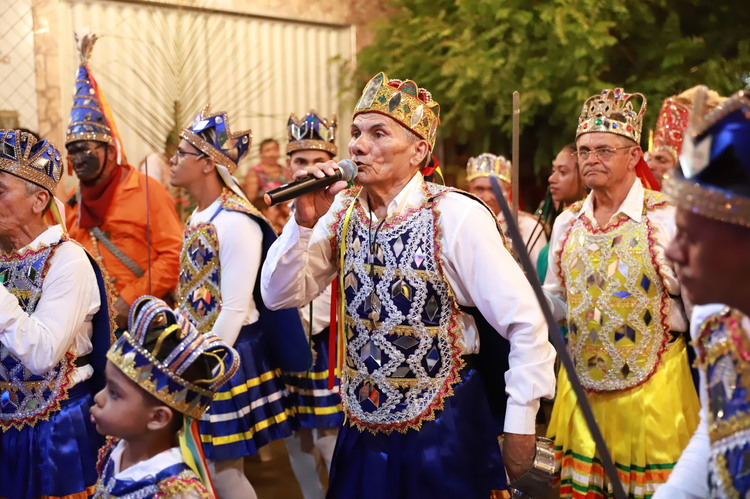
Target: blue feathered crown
(140,354)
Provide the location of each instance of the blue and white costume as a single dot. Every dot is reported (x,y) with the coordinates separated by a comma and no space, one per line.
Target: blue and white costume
(415,405)
(54,335)
(252,409)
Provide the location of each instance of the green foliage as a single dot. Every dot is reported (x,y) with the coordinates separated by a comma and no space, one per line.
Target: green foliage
(472,54)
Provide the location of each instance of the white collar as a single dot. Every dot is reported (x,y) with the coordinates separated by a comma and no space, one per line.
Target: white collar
(403,199)
(632,206)
(50,236)
(144,469)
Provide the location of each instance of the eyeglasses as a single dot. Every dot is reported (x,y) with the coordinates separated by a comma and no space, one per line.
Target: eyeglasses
(180,153)
(603,153)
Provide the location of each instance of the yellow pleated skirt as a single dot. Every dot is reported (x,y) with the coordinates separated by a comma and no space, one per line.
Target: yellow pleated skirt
(646,429)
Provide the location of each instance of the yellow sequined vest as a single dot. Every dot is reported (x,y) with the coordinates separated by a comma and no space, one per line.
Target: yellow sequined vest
(617,302)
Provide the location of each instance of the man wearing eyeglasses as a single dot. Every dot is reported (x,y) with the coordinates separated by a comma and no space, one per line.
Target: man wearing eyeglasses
(131,229)
(609,278)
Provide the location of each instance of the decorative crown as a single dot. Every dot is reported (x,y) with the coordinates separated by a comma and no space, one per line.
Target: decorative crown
(312,132)
(713,176)
(612,111)
(403,101)
(87,118)
(672,121)
(210,133)
(37,161)
(485,165)
(138,354)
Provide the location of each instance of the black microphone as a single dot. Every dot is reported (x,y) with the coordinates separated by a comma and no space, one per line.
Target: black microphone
(346,170)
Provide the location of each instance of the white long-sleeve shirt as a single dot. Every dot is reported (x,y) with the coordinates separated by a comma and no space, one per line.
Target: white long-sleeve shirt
(532,232)
(662,220)
(62,318)
(478,268)
(689,478)
(240,243)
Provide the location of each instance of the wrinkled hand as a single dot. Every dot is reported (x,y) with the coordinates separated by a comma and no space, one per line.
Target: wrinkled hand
(308,208)
(518,454)
(121,313)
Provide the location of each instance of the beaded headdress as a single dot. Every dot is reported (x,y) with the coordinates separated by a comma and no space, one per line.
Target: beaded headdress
(670,125)
(673,120)
(90,117)
(713,176)
(37,161)
(312,132)
(612,111)
(138,354)
(486,164)
(210,133)
(403,101)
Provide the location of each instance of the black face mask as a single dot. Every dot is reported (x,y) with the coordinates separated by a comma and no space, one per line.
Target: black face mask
(86,166)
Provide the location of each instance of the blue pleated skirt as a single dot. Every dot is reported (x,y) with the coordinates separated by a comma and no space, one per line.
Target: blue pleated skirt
(316,405)
(251,409)
(455,455)
(56,457)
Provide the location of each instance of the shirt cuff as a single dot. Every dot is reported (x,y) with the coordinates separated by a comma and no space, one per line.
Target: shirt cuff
(521,419)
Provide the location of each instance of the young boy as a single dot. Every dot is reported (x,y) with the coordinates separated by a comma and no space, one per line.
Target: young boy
(161,376)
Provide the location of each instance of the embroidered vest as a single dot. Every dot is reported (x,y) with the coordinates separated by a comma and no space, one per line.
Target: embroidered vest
(26,398)
(617,302)
(403,343)
(724,355)
(198,289)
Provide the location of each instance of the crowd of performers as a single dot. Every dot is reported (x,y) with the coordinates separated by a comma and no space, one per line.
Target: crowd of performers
(384,325)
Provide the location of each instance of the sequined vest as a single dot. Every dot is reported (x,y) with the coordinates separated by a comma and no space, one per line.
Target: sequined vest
(403,343)
(616,299)
(724,355)
(26,398)
(198,288)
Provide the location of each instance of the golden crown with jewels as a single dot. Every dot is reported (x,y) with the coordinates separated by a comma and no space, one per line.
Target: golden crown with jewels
(403,101)
(486,164)
(613,111)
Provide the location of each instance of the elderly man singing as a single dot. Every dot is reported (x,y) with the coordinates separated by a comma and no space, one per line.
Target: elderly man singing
(420,267)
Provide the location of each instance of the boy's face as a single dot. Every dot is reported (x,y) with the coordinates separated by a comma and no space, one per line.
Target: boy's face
(120,408)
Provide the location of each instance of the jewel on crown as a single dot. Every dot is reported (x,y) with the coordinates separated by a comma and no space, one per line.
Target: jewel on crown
(613,111)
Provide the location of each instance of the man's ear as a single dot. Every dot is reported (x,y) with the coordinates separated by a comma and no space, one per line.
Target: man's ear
(41,201)
(209,166)
(635,154)
(421,150)
(161,417)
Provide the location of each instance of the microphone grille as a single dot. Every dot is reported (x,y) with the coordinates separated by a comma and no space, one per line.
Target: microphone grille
(348,169)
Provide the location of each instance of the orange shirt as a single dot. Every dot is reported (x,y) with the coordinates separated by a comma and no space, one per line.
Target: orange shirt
(125,224)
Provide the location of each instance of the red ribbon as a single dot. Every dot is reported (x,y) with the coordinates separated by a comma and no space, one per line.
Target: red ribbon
(644,173)
(429,170)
